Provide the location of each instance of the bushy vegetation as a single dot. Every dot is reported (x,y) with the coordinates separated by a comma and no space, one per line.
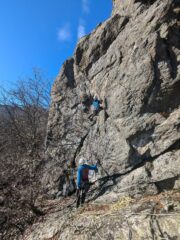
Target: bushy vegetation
(23,120)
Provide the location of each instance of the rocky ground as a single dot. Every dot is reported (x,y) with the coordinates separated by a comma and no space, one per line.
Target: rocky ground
(151,217)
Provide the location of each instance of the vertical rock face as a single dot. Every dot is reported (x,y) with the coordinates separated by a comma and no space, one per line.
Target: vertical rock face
(131,62)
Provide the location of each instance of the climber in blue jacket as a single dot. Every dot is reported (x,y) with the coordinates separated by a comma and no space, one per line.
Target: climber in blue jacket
(95,107)
(83,180)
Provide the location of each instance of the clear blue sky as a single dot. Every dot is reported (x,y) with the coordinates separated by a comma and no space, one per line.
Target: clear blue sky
(43,33)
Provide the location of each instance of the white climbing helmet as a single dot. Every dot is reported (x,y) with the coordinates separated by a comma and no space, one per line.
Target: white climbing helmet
(82,161)
(95,97)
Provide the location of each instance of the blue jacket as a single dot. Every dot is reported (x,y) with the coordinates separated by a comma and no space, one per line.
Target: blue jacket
(96,104)
(82,173)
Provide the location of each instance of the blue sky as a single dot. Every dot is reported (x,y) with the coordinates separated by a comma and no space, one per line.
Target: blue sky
(43,34)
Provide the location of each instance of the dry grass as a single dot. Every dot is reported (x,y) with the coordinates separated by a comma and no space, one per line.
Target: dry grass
(157,201)
(95,208)
(122,203)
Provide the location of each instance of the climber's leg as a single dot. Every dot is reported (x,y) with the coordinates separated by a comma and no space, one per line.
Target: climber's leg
(93,114)
(84,192)
(78,197)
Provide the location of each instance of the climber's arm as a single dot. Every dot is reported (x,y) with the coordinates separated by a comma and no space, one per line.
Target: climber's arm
(92,167)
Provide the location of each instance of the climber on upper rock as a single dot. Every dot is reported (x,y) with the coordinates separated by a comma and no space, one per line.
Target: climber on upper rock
(96,106)
(83,180)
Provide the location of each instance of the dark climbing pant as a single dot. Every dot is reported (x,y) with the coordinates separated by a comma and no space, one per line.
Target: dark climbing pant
(81,194)
(93,114)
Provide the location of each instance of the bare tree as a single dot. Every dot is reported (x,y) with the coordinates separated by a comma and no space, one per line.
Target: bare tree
(24,114)
(23,120)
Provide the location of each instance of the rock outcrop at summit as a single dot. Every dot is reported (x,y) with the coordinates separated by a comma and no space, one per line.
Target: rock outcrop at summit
(131,61)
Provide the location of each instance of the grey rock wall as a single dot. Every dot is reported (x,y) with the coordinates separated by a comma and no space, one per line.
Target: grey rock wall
(131,61)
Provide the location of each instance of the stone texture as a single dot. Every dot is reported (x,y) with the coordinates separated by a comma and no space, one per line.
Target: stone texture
(152,178)
(114,228)
(164,136)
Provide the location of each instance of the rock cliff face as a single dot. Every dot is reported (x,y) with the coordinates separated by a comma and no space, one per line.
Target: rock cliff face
(131,62)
